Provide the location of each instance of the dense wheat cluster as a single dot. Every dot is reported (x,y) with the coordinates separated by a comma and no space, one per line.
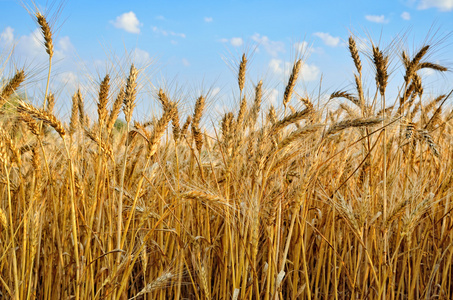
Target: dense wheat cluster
(300,201)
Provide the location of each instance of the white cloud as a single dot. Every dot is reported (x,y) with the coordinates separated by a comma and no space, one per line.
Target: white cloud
(185,62)
(181,35)
(161,18)
(215,91)
(328,39)
(406,16)
(140,57)
(303,48)
(236,41)
(31,46)
(377,19)
(426,72)
(272,47)
(128,21)
(167,33)
(69,79)
(277,66)
(309,72)
(65,44)
(159,31)
(272,96)
(208,19)
(442,5)
(7,36)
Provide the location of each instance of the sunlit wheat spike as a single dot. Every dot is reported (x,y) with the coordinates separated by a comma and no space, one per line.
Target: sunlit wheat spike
(46,32)
(186,125)
(381,63)
(359,87)
(163,99)
(103,100)
(428,65)
(272,115)
(352,113)
(292,118)
(175,120)
(74,120)
(427,138)
(343,94)
(80,104)
(156,284)
(158,132)
(3,153)
(256,103)
(355,55)
(226,126)
(418,87)
(42,115)
(241,113)
(306,101)
(405,59)
(116,108)
(130,94)
(433,103)
(298,134)
(359,122)
(241,73)
(411,66)
(12,85)
(16,155)
(50,102)
(104,147)
(198,112)
(410,129)
(3,220)
(292,82)
(30,122)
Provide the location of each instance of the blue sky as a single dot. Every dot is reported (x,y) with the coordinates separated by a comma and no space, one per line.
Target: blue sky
(197,44)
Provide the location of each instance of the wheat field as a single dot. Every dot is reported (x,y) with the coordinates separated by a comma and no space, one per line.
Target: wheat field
(306,200)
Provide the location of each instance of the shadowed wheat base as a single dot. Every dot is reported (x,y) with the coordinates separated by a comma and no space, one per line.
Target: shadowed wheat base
(352,201)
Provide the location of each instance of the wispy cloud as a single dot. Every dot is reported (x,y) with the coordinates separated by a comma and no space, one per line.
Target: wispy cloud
(141,57)
(7,36)
(185,62)
(128,22)
(406,16)
(276,65)
(236,41)
(303,48)
(167,33)
(215,91)
(69,79)
(377,19)
(208,19)
(328,39)
(309,72)
(442,5)
(271,47)
(271,95)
